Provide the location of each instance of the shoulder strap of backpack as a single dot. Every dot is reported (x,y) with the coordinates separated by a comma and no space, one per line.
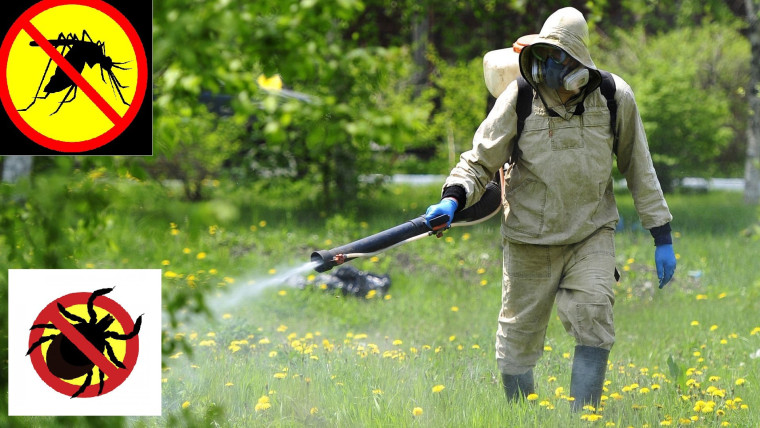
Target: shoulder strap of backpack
(524,108)
(608,90)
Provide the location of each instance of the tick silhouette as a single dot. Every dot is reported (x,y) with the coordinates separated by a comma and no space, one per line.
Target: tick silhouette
(78,53)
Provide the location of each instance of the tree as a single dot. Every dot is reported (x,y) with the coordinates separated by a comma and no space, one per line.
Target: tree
(752,166)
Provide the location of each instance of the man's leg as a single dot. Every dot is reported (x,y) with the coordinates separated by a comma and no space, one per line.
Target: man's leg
(584,305)
(528,288)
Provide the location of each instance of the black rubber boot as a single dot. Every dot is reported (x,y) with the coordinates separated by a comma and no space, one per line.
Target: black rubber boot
(516,386)
(587,379)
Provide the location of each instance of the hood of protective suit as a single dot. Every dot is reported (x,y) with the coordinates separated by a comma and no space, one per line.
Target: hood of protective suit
(566,29)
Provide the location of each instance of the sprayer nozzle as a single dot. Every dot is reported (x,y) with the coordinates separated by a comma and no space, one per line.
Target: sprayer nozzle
(325,262)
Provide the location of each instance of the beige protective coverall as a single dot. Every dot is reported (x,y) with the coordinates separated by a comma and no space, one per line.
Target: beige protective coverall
(559,221)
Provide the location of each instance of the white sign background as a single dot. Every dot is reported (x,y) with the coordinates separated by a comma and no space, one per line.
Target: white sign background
(138,291)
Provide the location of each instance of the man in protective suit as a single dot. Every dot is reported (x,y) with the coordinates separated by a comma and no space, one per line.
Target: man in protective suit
(560,213)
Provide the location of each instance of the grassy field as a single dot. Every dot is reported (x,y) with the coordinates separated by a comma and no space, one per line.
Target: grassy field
(271,354)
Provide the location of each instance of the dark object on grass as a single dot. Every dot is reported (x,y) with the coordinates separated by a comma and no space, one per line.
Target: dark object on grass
(350,280)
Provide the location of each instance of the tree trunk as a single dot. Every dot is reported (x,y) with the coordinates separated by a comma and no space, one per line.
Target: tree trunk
(752,164)
(16,167)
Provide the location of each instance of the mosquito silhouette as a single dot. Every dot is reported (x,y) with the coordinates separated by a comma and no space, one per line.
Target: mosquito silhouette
(78,53)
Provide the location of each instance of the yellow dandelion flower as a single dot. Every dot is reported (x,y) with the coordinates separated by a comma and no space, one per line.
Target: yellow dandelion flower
(532,397)
(701,297)
(722,295)
(616,396)
(272,271)
(164,380)
(371,294)
(186,250)
(177,355)
(260,407)
(483,282)
(455,309)
(739,382)
(201,255)
(665,423)
(694,323)
(209,342)
(452,338)
(282,293)
(438,388)
(280,375)
(313,411)
(551,379)
(591,417)
(754,331)
(481,271)
(228,384)
(644,390)
(417,411)
(713,327)
(476,346)
(377,391)
(547,348)
(282,328)
(374,259)
(398,342)
(226,316)
(449,239)
(170,274)
(566,355)
(714,378)
(559,391)
(263,223)
(465,237)
(165,262)
(186,404)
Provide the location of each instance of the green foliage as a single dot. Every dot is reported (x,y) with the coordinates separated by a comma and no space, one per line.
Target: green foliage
(681,80)
(355,100)
(463,96)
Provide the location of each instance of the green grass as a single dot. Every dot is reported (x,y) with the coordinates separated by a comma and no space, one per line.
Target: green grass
(327,360)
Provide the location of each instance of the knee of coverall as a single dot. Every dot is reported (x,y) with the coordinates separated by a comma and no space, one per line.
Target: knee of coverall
(585,297)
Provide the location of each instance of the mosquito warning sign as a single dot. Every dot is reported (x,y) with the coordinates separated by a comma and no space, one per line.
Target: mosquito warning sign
(73,79)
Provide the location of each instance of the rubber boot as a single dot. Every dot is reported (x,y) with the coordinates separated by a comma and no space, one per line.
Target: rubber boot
(587,379)
(516,386)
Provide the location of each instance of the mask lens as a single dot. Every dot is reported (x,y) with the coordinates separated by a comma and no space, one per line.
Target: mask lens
(545,52)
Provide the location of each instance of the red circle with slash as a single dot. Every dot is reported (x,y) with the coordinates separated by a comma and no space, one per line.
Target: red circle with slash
(120,123)
(116,376)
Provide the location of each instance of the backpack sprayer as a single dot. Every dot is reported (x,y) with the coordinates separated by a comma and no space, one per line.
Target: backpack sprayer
(500,68)
(412,230)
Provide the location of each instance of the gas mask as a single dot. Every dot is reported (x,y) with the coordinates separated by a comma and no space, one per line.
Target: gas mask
(557,69)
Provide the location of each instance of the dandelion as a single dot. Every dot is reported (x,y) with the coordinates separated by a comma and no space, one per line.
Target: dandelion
(701,297)
(313,411)
(226,316)
(282,328)
(387,297)
(547,348)
(644,390)
(263,404)
(449,239)
(263,223)
(438,388)
(374,259)
(483,282)
(186,404)
(280,375)
(455,309)
(165,262)
(722,295)
(476,346)
(417,411)
(377,391)
(551,379)
(566,355)
(694,323)
(229,384)
(714,378)
(170,274)
(532,397)
(559,391)
(754,331)
(282,293)
(713,327)
(452,338)
(616,396)
(186,250)
(465,237)
(200,256)
(398,342)
(272,271)
(264,341)
(591,417)
(370,294)
(739,382)
(481,271)
(209,342)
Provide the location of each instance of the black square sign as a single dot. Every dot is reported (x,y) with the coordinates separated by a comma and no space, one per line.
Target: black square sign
(75,77)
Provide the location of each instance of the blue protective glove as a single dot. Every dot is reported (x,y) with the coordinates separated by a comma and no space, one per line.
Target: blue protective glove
(447,206)
(665,260)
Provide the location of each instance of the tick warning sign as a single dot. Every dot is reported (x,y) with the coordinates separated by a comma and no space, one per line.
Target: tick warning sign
(82,347)
(74,77)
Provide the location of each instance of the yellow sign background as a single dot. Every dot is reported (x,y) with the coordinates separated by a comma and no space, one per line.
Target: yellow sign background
(81,119)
